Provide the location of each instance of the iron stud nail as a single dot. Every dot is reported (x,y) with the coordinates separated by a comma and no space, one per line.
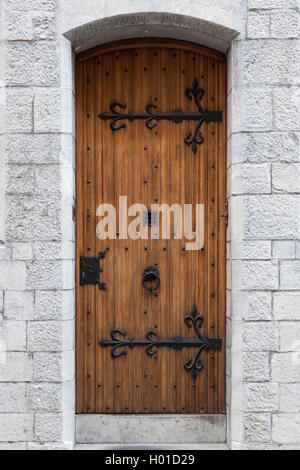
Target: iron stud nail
(89,148)
(89,312)
(145,248)
(89,343)
(145,408)
(118,385)
(126,407)
(88,407)
(155,295)
(155,386)
(145,148)
(212,234)
(89,182)
(194,385)
(183,407)
(202,76)
(183,249)
(212,326)
(89,376)
(155,199)
(126,248)
(145,375)
(145,181)
(89,249)
(175,385)
(165,249)
(137,385)
(88,115)
(107,407)
(164,407)
(213,166)
(99,385)
(145,312)
(155,326)
(213,386)
(213,295)
(145,68)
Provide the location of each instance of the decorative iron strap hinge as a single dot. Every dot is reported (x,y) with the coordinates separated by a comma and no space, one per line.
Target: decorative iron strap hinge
(152,343)
(192,139)
(90,271)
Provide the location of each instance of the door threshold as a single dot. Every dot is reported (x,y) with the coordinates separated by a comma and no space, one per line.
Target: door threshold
(174,447)
(138,430)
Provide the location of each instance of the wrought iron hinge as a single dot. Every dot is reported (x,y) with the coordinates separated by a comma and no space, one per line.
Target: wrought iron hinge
(118,115)
(152,343)
(90,271)
(225,214)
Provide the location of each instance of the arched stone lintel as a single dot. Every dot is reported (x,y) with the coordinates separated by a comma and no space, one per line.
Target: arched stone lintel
(140,25)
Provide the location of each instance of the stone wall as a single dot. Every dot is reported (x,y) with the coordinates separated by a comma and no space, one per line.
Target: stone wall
(37,245)
(263,239)
(37,230)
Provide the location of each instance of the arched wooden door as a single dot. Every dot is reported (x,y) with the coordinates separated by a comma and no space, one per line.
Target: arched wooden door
(172,339)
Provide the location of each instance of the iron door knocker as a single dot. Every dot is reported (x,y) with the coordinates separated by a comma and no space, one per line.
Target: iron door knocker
(151,275)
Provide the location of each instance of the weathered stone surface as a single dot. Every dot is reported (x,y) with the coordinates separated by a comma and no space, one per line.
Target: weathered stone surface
(257,427)
(37,64)
(50,446)
(34,217)
(251,179)
(290,275)
(284,250)
(47,367)
(285,24)
(26,149)
(28,5)
(22,251)
(286,178)
(271,4)
(286,105)
(20,179)
(258,25)
(17,367)
(256,366)
(48,305)
(19,110)
(19,26)
(15,335)
(16,427)
(19,305)
(43,26)
(12,275)
(13,398)
(271,147)
(274,217)
(286,428)
(289,398)
(255,115)
(257,306)
(290,336)
(44,275)
(261,336)
(48,427)
(286,367)
(271,62)
(47,110)
(251,250)
(252,275)
(286,305)
(44,397)
(140,429)
(44,336)
(261,397)
(47,179)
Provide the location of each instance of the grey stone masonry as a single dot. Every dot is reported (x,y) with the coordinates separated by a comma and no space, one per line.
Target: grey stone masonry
(37,176)
(37,280)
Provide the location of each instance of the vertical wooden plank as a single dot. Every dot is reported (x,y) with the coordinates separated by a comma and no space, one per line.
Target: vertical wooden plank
(79,237)
(148,165)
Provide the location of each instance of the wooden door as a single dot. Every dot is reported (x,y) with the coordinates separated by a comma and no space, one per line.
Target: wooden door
(173,355)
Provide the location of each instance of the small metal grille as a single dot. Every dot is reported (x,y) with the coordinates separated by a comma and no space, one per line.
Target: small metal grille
(150,219)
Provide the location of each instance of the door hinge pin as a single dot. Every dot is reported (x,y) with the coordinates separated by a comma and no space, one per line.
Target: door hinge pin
(225,214)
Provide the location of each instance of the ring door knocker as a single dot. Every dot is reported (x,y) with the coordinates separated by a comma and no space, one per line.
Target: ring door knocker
(150,276)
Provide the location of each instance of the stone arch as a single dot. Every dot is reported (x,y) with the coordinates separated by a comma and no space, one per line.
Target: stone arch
(168,25)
